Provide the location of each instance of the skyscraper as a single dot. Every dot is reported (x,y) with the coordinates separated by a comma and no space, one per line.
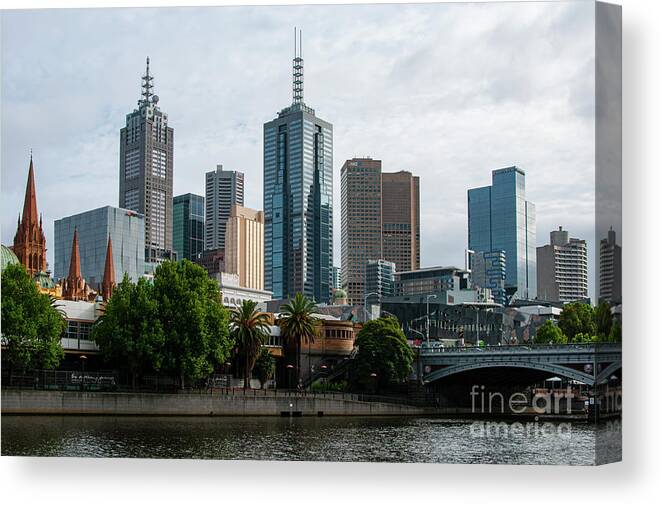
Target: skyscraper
(379,280)
(188,226)
(610,269)
(400,193)
(145,171)
(361,223)
(244,246)
(298,198)
(488,270)
(500,218)
(223,188)
(562,269)
(124,227)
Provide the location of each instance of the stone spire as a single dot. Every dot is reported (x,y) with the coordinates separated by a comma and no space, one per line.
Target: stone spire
(74,287)
(30,240)
(108,283)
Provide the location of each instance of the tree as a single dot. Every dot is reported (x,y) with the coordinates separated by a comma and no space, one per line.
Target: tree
(264,366)
(615,334)
(298,325)
(250,330)
(384,356)
(32,326)
(585,338)
(577,318)
(604,320)
(549,333)
(129,333)
(194,321)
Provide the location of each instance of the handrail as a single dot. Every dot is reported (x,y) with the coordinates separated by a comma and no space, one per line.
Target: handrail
(522,348)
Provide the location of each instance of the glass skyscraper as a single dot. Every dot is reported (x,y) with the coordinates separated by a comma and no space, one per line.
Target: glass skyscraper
(501,219)
(127,231)
(298,199)
(188,225)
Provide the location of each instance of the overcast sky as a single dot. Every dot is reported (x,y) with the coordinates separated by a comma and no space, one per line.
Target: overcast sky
(446,91)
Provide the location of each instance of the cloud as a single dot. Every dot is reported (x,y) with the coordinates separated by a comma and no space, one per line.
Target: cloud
(447,91)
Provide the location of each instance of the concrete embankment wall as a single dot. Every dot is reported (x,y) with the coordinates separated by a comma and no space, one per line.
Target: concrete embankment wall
(191,404)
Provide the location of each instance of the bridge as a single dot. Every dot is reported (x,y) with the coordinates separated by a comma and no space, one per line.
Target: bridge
(590,364)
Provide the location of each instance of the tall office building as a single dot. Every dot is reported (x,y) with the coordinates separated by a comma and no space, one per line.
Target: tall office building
(244,246)
(488,270)
(298,199)
(188,226)
(500,219)
(337,278)
(146,171)
(124,227)
(379,280)
(223,188)
(562,269)
(400,193)
(361,236)
(610,269)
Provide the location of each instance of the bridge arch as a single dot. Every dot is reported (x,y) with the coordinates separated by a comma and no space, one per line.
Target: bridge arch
(551,368)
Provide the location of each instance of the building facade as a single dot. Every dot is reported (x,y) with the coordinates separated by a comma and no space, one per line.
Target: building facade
(379,280)
(244,246)
(400,193)
(125,228)
(146,156)
(223,188)
(361,237)
(233,294)
(337,278)
(298,199)
(501,219)
(562,269)
(610,270)
(448,285)
(488,270)
(188,226)
(30,241)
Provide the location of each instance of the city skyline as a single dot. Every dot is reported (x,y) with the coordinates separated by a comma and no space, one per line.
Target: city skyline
(495,108)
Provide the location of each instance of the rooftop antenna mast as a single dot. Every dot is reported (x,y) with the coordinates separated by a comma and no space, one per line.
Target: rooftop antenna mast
(147,85)
(298,68)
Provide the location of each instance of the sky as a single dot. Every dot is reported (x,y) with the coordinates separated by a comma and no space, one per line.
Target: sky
(449,92)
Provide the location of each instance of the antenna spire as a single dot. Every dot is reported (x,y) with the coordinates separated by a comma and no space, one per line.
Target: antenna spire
(147,85)
(297,73)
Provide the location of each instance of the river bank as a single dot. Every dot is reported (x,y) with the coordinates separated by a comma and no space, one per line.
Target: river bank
(260,403)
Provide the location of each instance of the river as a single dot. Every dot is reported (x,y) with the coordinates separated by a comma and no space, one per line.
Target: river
(396,439)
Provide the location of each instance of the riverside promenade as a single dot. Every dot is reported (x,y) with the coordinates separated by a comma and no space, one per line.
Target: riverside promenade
(225,403)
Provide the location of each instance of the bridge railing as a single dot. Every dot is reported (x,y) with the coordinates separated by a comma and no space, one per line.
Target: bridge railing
(519,348)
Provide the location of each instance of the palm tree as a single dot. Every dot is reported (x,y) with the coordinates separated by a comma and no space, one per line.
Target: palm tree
(250,330)
(298,325)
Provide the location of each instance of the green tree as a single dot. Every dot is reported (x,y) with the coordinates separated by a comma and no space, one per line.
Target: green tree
(577,318)
(194,322)
(549,333)
(264,366)
(32,325)
(129,333)
(615,334)
(250,330)
(585,338)
(384,356)
(298,325)
(604,320)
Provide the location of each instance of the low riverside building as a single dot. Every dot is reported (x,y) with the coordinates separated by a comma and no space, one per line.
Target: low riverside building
(233,294)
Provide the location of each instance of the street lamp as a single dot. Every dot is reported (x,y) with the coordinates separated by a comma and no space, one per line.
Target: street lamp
(83,359)
(369,315)
(290,367)
(428,297)
(373,376)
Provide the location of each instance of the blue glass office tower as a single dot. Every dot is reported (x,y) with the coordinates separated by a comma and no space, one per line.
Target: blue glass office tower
(298,199)
(188,226)
(501,219)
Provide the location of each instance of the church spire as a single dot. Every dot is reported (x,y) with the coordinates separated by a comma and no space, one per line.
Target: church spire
(30,241)
(108,283)
(74,264)
(297,85)
(30,214)
(74,285)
